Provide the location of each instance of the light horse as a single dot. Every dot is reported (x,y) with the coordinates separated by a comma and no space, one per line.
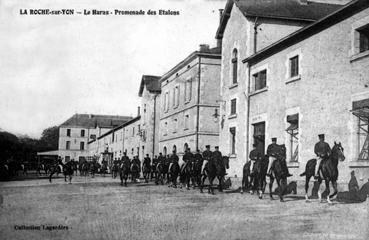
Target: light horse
(329,170)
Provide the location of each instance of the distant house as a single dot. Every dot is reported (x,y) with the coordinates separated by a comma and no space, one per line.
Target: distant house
(77,131)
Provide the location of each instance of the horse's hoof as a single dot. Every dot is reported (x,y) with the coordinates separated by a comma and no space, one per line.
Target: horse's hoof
(260,197)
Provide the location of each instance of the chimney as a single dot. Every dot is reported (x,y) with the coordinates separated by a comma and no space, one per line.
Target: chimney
(138,111)
(204,48)
(219,40)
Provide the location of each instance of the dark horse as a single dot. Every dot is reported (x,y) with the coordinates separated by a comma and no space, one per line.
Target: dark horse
(173,174)
(124,171)
(135,172)
(247,178)
(67,170)
(186,174)
(259,179)
(196,172)
(329,170)
(212,170)
(160,171)
(146,171)
(115,168)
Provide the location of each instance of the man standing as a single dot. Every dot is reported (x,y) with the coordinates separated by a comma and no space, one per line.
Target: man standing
(254,156)
(206,155)
(322,151)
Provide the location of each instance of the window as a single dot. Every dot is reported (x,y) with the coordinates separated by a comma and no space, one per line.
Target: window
(144,108)
(175,126)
(188,90)
(165,128)
(293,132)
(133,131)
(112,137)
(185,147)
(186,121)
(93,136)
(174,148)
(166,101)
(233,106)
(294,66)
(82,133)
(82,145)
(364,38)
(360,109)
(260,80)
(176,97)
(234,66)
(259,136)
(67,146)
(232,131)
(68,132)
(165,151)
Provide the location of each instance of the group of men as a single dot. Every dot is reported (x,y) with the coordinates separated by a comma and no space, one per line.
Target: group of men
(321,149)
(135,161)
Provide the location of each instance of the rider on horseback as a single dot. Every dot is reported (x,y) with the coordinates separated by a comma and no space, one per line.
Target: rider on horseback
(188,156)
(254,156)
(207,156)
(173,159)
(217,155)
(137,162)
(322,151)
(273,152)
(147,160)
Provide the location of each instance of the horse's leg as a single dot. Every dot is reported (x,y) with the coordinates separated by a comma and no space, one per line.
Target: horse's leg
(202,183)
(271,181)
(282,189)
(307,187)
(210,188)
(327,190)
(220,180)
(51,174)
(334,184)
(319,191)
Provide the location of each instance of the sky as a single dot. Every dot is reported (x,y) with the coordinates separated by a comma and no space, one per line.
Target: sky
(53,66)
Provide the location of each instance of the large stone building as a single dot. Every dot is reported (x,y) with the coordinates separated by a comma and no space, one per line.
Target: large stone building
(77,131)
(246,27)
(150,108)
(189,111)
(316,82)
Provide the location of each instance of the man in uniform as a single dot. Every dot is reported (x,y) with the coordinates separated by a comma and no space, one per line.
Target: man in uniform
(173,159)
(153,166)
(217,155)
(161,159)
(188,156)
(125,159)
(272,152)
(207,156)
(198,156)
(254,156)
(322,151)
(147,161)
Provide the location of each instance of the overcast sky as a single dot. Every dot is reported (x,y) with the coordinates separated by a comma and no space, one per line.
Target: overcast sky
(54,66)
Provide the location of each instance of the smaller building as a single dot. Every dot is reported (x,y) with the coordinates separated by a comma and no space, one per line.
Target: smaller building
(77,131)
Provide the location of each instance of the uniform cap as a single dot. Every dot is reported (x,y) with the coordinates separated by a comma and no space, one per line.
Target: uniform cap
(274,139)
(321,135)
(207,146)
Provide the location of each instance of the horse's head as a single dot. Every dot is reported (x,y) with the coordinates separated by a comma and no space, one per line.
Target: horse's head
(226,162)
(338,151)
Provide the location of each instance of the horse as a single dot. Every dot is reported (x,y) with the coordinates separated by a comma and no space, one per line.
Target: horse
(104,168)
(215,169)
(153,170)
(94,168)
(196,173)
(115,168)
(135,172)
(247,178)
(67,170)
(124,171)
(173,174)
(159,173)
(329,170)
(146,170)
(186,174)
(259,180)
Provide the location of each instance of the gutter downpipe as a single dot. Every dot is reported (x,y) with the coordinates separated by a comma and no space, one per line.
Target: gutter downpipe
(255,34)
(198,106)
(248,113)
(153,132)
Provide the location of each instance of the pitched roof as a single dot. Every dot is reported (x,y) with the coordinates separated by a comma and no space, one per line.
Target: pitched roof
(133,120)
(341,14)
(204,51)
(298,10)
(152,84)
(93,120)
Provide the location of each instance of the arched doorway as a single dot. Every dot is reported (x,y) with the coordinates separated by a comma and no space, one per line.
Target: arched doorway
(165,151)
(175,148)
(185,147)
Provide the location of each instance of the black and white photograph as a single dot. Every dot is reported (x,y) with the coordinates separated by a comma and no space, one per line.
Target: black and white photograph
(184,119)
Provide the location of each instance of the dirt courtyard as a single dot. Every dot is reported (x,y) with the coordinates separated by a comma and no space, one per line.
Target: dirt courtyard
(100,208)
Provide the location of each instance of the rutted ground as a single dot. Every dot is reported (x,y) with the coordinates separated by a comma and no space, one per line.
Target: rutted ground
(101,209)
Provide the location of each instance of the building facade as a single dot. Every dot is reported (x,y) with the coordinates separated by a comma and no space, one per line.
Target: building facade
(245,28)
(317,83)
(150,105)
(77,131)
(189,109)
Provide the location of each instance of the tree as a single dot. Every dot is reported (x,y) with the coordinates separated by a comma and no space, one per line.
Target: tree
(50,138)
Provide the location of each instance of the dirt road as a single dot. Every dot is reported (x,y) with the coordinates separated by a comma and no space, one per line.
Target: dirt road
(101,209)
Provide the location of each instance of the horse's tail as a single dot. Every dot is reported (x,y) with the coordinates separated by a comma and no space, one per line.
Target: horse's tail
(302,174)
